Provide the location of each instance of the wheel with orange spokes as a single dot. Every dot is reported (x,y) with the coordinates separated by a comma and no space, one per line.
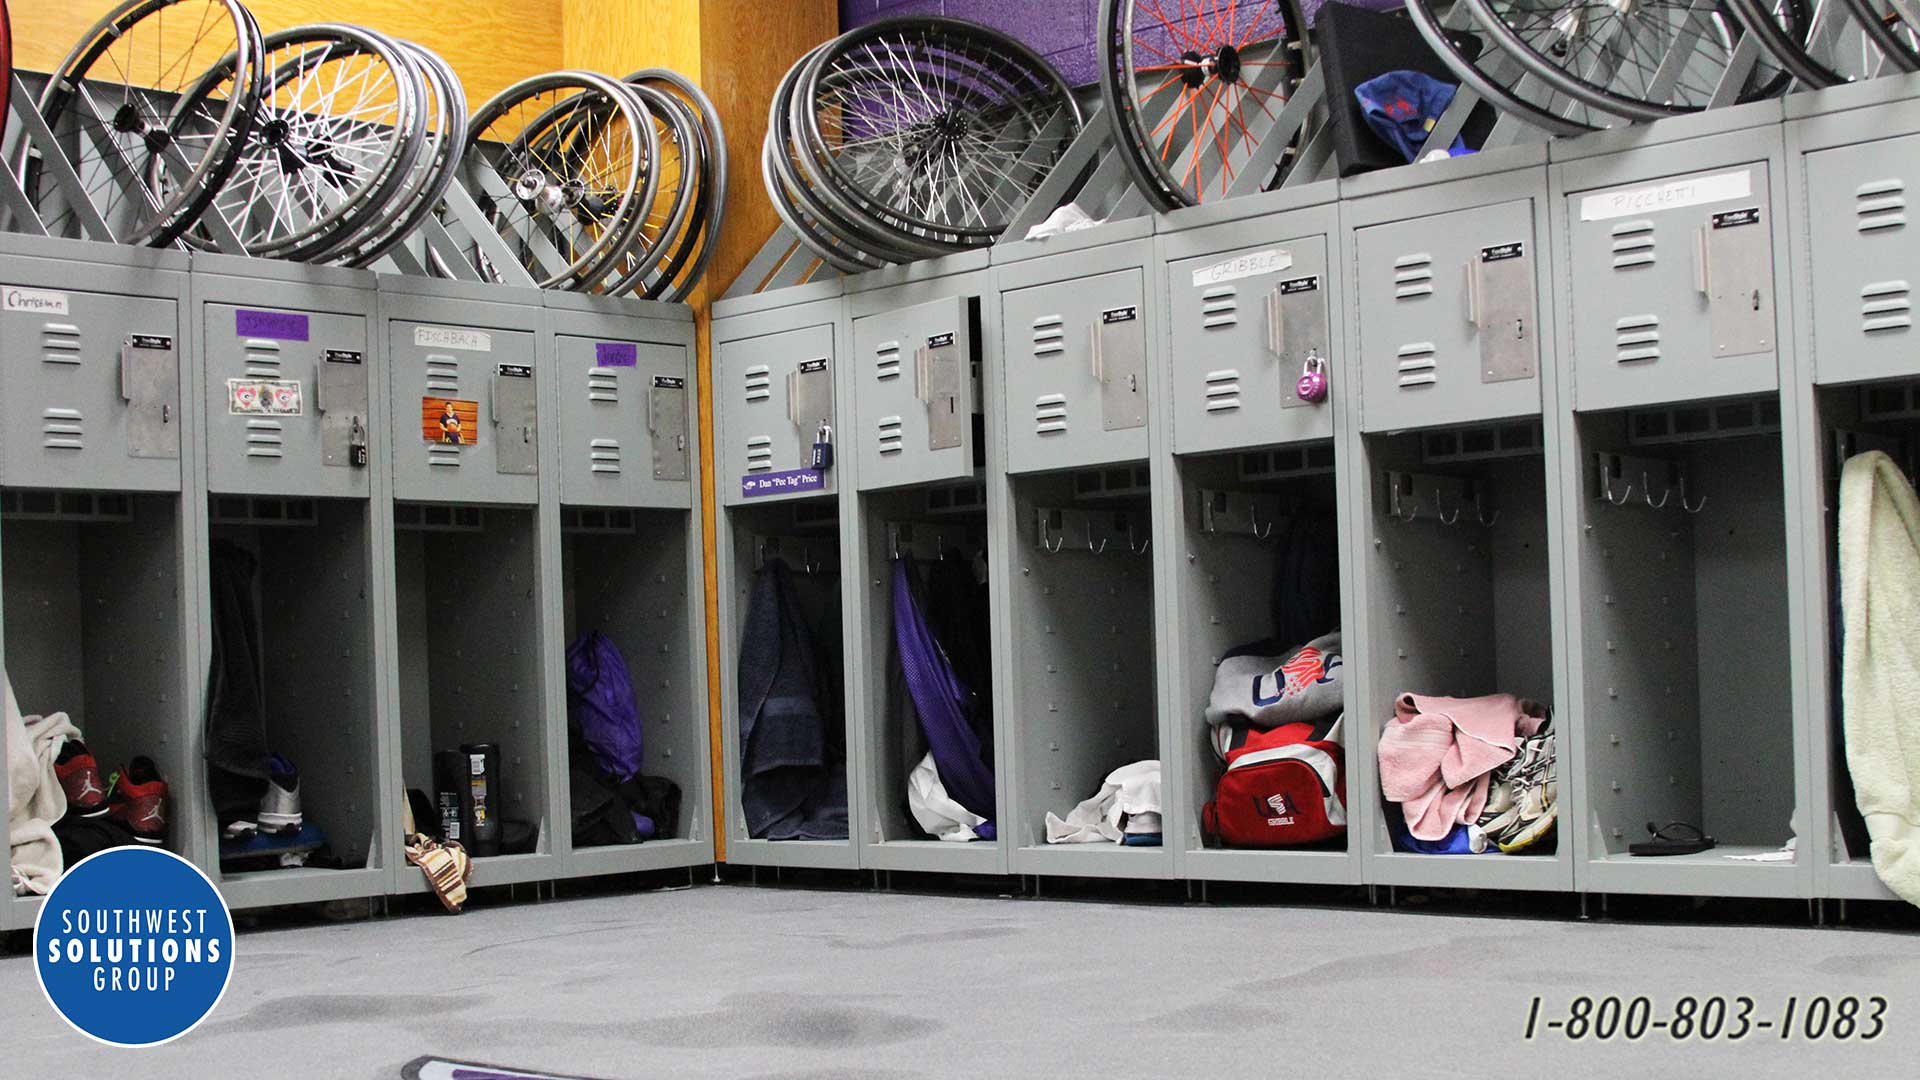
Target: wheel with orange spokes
(1189,87)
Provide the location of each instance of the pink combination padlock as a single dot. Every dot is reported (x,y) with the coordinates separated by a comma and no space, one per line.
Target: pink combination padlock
(1312,386)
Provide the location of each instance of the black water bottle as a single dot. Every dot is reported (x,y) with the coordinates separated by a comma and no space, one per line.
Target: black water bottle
(483,802)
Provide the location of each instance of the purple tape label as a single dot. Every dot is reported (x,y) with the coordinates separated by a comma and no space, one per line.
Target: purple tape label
(755,485)
(277,325)
(615,353)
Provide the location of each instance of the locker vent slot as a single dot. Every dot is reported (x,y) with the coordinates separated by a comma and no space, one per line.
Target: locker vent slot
(263,359)
(1050,414)
(598,519)
(1115,481)
(1880,204)
(759,453)
(61,343)
(604,455)
(29,505)
(1218,306)
(1413,275)
(1223,390)
(1635,338)
(964,498)
(1890,401)
(759,382)
(1885,305)
(441,456)
(443,376)
(61,429)
(1049,335)
(603,385)
(1632,244)
(1312,459)
(438,517)
(1481,443)
(1693,423)
(892,436)
(261,510)
(264,437)
(888,355)
(1416,364)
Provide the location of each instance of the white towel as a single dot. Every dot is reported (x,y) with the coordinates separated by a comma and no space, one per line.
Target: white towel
(934,809)
(35,797)
(1880,669)
(1127,792)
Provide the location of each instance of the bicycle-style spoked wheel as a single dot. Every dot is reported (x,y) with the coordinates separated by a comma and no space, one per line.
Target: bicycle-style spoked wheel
(1185,82)
(931,124)
(6,67)
(337,131)
(675,176)
(684,270)
(433,169)
(1496,76)
(1894,28)
(108,105)
(1645,61)
(1781,26)
(571,155)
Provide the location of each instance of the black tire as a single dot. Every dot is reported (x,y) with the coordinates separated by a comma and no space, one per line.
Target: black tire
(1880,27)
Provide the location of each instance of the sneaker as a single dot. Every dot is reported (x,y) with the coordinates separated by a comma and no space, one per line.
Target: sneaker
(1535,803)
(79,775)
(140,801)
(280,806)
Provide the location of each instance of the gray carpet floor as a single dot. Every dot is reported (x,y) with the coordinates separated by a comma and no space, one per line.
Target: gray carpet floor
(804,985)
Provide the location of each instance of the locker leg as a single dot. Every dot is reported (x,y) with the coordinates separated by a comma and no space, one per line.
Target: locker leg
(1843,912)
(716,873)
(1373,896)
(1393,896)
(1203,892)
(1584,915)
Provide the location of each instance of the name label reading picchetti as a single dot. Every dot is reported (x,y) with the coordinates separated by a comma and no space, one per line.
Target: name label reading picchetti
(1672,195)
(1120,314)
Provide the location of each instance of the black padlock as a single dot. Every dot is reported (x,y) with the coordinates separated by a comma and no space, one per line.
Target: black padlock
(822,448)
(357,445)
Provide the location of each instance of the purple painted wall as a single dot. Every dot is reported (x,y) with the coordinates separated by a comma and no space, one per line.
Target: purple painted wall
(1060,30)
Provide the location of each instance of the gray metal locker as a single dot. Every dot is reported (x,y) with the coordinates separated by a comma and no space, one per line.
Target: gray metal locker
(1863,259)
(289,408)
(1449,314)
(465,411)
(625,422)
(774,394)
(1075,332)
(96,353)
(916,392)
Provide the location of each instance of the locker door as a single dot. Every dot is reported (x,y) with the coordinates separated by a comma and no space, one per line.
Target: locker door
(91,387)
(1244,326)
(914,393)
(1674,285)
(1076,373)
(287,403)
(1864,260)
(465,414)
(1449,318)
(775,390)
(623,422)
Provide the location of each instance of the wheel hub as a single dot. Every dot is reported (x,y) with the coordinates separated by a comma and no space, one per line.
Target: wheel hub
(126,120)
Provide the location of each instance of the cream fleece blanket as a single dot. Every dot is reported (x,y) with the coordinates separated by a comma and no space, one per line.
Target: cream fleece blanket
(1880,663)
(36,799)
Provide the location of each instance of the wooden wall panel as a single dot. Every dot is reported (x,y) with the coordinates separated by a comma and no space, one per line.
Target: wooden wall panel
(491,43)
(620,36)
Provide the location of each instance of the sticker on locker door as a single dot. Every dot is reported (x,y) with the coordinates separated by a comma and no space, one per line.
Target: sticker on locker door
(272,325)
(265,397)
(1253,264)
(615,354)
(449,421)
(37,301)
(452,337)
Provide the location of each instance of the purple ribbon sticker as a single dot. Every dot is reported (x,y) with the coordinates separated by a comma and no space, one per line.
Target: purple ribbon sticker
(277,325)
(615,353)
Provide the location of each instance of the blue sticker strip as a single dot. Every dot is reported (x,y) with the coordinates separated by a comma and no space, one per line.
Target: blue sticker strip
(276,325)
(615,353)
(755,485)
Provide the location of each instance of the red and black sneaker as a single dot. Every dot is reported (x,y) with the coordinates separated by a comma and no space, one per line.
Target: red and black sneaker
(140,801)
(79,775)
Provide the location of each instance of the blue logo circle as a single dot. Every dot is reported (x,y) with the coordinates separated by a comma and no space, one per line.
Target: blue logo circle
(134,946)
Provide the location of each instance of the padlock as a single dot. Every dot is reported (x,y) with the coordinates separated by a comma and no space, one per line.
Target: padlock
(822,448)
(1312,385)
(357,445)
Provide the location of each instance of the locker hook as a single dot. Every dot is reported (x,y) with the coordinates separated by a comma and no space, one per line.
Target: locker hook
(1102,549)
(1479,507)
(1606,490)
(1691,508)
(1441,514)
(1648,493)
(1253,519)
(1046,523)
(1413,505)
(1142,549)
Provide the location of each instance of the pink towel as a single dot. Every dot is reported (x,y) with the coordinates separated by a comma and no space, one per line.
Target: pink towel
(1437,755)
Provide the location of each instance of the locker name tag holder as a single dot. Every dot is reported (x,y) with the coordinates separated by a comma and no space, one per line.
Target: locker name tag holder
(1120,367)
(615,354)
(1297,335)
(1252,264)
(452,337)
(789,482)
(340,397)
(667,423)
(1500,305)
(150,385)
(1735,271)
(1673,195)
(938,383)
(271,325)
(34,301)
